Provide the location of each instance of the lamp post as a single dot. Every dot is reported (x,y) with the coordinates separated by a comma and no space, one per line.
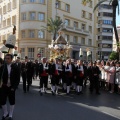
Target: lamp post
(80,53)
(89,53)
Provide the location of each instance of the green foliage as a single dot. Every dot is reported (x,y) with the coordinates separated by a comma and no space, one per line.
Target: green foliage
(53,26)
(114,56)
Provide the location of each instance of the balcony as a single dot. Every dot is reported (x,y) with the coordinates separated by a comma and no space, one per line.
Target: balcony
(75,30)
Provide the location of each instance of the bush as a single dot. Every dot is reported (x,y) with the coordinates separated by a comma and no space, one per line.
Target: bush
(114,56)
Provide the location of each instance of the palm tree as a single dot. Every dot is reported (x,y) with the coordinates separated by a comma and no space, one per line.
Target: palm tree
(115,4)
(53,26)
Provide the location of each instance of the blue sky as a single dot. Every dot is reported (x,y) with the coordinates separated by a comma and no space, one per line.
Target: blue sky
(118,17)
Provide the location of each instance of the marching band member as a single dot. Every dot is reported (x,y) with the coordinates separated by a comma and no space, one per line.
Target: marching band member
(44,70)
(69,72)
(9,73)
(80,76)
(55,76)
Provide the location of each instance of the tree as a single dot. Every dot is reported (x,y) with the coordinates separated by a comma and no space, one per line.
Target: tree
(115,4)
(53,26)
(114,56)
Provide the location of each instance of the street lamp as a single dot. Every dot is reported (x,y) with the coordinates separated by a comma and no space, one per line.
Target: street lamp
(80,53)
(89,53)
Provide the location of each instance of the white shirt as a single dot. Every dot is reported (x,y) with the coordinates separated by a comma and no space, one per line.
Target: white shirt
(44,66)
(9,71)
(70,68)
(56,65)
(81,69)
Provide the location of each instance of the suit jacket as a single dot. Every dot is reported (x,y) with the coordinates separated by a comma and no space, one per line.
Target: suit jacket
(27,68)
(93,70)
(14,75)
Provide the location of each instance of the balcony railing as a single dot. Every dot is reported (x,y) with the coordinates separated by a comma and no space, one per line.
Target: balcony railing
(76,30)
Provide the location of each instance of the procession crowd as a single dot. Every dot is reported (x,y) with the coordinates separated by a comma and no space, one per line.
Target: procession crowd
(70,74)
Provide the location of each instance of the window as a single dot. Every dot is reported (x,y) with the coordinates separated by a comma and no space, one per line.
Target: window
(41,34)
(14,3)
(108,30)
(107,14)
(31,33)
(90,4)
(22,53)
(90,29)
(67,8)
(4,9)
(58,4)
(89,42)
(105,6)
(9,6)
(41,16)
(83,26)
(32,0)
(14,20)
(107,37)
(75,39)
(23,16)
(22,34)
(83,41)
(109,22)
(67,37)
(90,16)
(4,23)
(67,22)
(31,53)
(42,1)
(8,22)
(83,14)
(75,24)
(32,15)
(41,52)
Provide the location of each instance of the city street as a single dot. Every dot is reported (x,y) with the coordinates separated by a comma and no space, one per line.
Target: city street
(32,106)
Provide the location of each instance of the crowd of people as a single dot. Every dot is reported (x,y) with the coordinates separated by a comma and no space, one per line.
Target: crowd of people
(70,74)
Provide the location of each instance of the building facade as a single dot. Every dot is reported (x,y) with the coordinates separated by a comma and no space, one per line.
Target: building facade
(79,27)
(105,30)
(9,16)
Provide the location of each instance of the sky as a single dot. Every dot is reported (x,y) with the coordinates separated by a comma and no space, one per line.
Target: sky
(118,17)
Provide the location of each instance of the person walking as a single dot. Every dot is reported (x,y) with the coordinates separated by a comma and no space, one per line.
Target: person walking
(9,74)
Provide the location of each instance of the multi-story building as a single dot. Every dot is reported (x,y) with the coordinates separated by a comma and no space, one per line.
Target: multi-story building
(105,30)
(9,16)
(114,40)
(79,27)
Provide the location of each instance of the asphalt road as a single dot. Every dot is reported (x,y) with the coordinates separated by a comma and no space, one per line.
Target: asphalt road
(32,106)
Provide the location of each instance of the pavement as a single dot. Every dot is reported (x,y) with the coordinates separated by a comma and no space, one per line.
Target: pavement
(32,106)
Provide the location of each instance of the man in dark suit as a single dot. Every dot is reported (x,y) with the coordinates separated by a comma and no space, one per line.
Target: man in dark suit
(1,63)
(9,74)
(18,64)
(26,70)
(93,74)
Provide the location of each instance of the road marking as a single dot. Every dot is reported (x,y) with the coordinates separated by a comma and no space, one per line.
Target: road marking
(110,115)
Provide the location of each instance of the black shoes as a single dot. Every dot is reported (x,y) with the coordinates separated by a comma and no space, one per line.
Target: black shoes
(4,117)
